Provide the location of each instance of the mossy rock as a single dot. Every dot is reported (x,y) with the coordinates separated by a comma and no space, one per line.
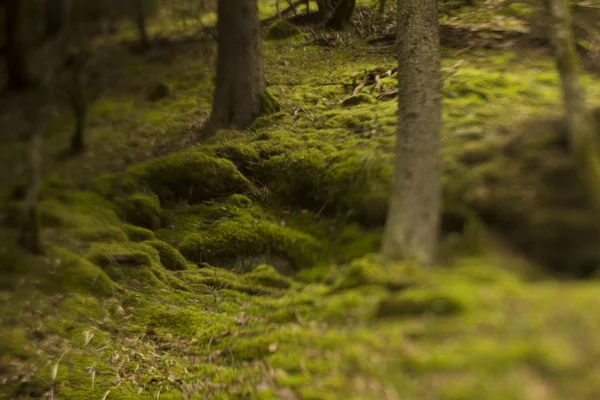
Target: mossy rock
(247,237)
(191,176)
(369,271)
(138,264)
(361,98)
(266,275)
(76,274)
(420,301)
(239,200)
(138,234)
(142,210)
(170,257)
(282,29)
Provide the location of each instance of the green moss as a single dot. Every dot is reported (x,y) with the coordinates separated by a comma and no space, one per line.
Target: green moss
(267,276)
(449,299)
(138,234)
(268,121)
(370,271)
(361,98)
(170,258)
(142,210)
(191,176)
(247,237)
(15,343)
(75,274)
(136,264)
(270,104)
(239,200)
(282,29)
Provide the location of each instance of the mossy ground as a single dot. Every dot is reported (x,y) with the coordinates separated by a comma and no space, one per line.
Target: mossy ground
(293,207)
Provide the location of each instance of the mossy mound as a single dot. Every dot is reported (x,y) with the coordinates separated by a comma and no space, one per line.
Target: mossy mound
(170,258)
(282,29)
(270,105)
(191,176)
(266,275)
(142,210)
(368,271)
(138,234)
(137,264)
(450,299)
(357,99)
(245,237)
(525,186)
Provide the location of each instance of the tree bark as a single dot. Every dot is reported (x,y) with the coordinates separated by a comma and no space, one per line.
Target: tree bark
(412,225)
(240,82)
(140,19)
(30,238)
(79,108)
(580,122)
(342,14)
(19,77)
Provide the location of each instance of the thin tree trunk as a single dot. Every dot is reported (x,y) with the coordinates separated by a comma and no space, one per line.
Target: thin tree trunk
(142,27)
(342,14)
(19,77)
(240,82)
(79,108)
(278,7)
(581,124)
(30,239)
(381,11)
(412,226)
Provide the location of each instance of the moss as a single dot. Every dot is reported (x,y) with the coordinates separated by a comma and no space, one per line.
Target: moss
(267,276)
(370,271)
(246,237)
(75,274)
(170,258)
(191,176)
(282,29)
(16,343)
(142,210)
(136,264)
(361,98)
(138,234)
(270,105)
(268,121)
(449,299)
(239,200)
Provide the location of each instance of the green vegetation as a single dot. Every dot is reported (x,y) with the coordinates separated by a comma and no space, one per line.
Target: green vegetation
(245,266)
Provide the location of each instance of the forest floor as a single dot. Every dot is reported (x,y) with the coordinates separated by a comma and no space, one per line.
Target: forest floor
(246,266)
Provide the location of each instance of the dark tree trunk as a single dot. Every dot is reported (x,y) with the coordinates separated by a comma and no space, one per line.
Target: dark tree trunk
(381,11)
(54,17)
(342,14)
(30,238)
(325,8)
(17,66)
(79,108)
(140,19)
(240,82)
(412,225)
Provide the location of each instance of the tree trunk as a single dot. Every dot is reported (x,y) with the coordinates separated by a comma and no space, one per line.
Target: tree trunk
(240,82)
(342,15)
(140,19)
(412,226)
(381,10)
(79,108)
(17,66)
(580,122)
(30,238)
(325,8)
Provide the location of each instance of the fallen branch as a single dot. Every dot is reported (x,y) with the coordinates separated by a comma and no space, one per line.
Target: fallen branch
(287,11)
